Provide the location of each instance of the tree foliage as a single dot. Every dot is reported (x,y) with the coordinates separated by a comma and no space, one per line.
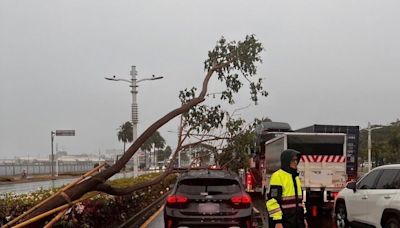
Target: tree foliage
(237,66)
(156,139)
(233,62)
(164,154)
(385,144)
(125,133)
(236,153)
(241,57)
(159,143)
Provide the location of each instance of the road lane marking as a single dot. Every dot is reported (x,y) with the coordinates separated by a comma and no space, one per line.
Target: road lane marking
(148,221)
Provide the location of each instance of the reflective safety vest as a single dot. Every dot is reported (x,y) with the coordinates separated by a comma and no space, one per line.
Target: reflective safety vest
(285,201)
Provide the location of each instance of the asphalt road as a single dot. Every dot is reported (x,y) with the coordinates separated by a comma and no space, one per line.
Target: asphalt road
(321,221)
(155,221)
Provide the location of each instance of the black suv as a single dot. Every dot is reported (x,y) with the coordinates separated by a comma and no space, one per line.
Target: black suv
(208,198)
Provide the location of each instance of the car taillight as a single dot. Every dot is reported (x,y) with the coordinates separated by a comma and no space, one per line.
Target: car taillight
(176,199)
(241,200)
(169,223)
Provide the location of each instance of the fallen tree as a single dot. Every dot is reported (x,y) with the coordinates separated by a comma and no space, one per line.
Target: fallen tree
(228,61)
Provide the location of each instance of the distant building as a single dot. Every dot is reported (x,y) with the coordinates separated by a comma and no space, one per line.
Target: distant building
(80,158)
(7,161)
(113,153)
(61,156)
(61,153)
(29,159)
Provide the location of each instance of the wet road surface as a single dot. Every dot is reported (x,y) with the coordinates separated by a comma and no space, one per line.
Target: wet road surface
(323,220)
(157,221)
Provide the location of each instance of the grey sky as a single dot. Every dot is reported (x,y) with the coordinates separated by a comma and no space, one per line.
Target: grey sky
(327,62)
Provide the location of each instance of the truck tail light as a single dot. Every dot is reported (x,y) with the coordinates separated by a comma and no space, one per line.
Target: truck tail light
(332,195)
(314,211)
(249,179)
(335,194)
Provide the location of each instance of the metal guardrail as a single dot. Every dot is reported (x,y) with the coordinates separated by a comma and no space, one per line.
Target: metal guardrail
(138,219)
(44,168)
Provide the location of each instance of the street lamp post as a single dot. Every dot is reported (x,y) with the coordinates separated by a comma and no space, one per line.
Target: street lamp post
(369,144)
(134,108)
(57,133)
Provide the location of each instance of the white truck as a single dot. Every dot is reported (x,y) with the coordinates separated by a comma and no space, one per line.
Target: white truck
(322,166)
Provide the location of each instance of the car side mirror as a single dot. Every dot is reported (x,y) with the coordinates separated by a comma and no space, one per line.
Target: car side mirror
(352,185)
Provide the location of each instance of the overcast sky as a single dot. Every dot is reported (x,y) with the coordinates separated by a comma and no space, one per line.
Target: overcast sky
(325,62)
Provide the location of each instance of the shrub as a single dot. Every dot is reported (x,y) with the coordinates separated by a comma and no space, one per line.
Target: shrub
(12,205)
(100,211)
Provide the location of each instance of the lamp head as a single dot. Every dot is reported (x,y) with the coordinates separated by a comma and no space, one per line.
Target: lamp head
(111,79)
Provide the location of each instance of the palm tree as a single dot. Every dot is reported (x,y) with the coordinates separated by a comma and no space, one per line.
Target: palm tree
(125,133)
(164,154)
(157,140)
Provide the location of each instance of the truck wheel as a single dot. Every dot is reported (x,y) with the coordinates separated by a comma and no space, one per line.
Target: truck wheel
(392,223)
(341,216)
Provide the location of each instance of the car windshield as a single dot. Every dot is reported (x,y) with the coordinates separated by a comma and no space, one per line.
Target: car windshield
(208,186)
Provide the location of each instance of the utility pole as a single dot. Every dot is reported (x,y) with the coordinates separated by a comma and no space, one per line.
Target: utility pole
(58,133)
(135,117)
(370,144)
(134,108)
(52,155)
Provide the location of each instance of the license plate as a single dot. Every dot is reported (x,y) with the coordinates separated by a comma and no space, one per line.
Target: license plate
(208,208)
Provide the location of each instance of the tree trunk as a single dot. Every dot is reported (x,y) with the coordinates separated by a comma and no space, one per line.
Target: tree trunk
(145,159)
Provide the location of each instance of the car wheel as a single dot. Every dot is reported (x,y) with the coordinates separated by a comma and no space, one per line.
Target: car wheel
(392,223)
(341,216)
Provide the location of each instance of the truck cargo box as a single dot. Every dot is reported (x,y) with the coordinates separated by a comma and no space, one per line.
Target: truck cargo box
(352,133)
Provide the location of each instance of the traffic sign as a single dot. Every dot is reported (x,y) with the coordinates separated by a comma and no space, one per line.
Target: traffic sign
(65,132)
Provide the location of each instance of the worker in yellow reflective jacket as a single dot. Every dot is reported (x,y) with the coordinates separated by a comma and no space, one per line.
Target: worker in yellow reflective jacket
(285,202)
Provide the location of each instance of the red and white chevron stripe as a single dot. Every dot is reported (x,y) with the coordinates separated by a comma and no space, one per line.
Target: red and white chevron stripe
(322,158)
